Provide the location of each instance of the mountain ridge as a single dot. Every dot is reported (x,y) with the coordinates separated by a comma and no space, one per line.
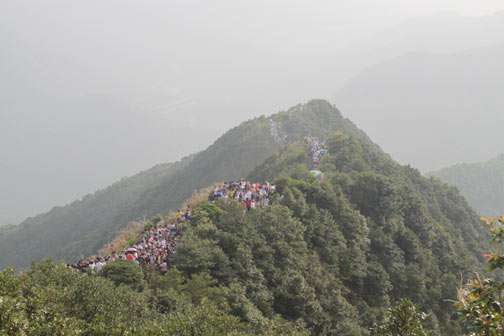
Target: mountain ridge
(371,228)
(83,227)
(330,253)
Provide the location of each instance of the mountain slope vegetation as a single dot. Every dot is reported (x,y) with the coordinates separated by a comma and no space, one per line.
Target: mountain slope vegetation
(482,184)
(326,257)
(83,227)
(398,234)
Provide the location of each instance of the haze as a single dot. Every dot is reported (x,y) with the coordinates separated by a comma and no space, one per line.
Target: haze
(93,91)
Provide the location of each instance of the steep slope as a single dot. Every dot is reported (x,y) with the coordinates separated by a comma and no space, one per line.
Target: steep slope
(482,184)
(335,254)
(81,228)
(431,110)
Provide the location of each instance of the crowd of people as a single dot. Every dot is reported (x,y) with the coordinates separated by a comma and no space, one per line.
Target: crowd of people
(251,195)
(156,244)
(317,150)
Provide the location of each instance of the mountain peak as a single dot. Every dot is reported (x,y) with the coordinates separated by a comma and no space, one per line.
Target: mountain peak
(83,227)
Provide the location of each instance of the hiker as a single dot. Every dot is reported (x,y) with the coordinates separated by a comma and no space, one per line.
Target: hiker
(99,265)
(130,256)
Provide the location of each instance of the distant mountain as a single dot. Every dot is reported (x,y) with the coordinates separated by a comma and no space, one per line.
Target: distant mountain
(431,110)
(482,184)
(83,227)
(442,33)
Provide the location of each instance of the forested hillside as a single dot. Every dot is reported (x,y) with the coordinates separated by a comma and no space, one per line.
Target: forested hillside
(81,228)
(325,257)
(482,184)
(384,231)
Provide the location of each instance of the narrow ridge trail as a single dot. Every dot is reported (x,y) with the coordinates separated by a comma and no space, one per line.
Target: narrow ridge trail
(158,241)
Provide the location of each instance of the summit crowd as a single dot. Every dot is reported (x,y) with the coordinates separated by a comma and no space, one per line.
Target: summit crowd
(317,150)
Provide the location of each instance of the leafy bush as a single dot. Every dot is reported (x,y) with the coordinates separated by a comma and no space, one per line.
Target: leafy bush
(123,272)
(480,302)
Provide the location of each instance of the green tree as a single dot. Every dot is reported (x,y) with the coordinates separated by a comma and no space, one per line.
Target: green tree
(126,273)
(204,320)
(402,320)
(481,300)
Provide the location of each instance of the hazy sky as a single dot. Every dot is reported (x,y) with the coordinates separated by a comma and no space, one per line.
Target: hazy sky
(95,90)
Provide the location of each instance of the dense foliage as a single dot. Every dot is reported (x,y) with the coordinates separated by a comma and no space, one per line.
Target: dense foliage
(335,254)
(482,184)
(83,227)
(402,320)
(53,300)
(481,303)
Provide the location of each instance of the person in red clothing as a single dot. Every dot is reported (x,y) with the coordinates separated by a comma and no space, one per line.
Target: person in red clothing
(248,203)
(130,257)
